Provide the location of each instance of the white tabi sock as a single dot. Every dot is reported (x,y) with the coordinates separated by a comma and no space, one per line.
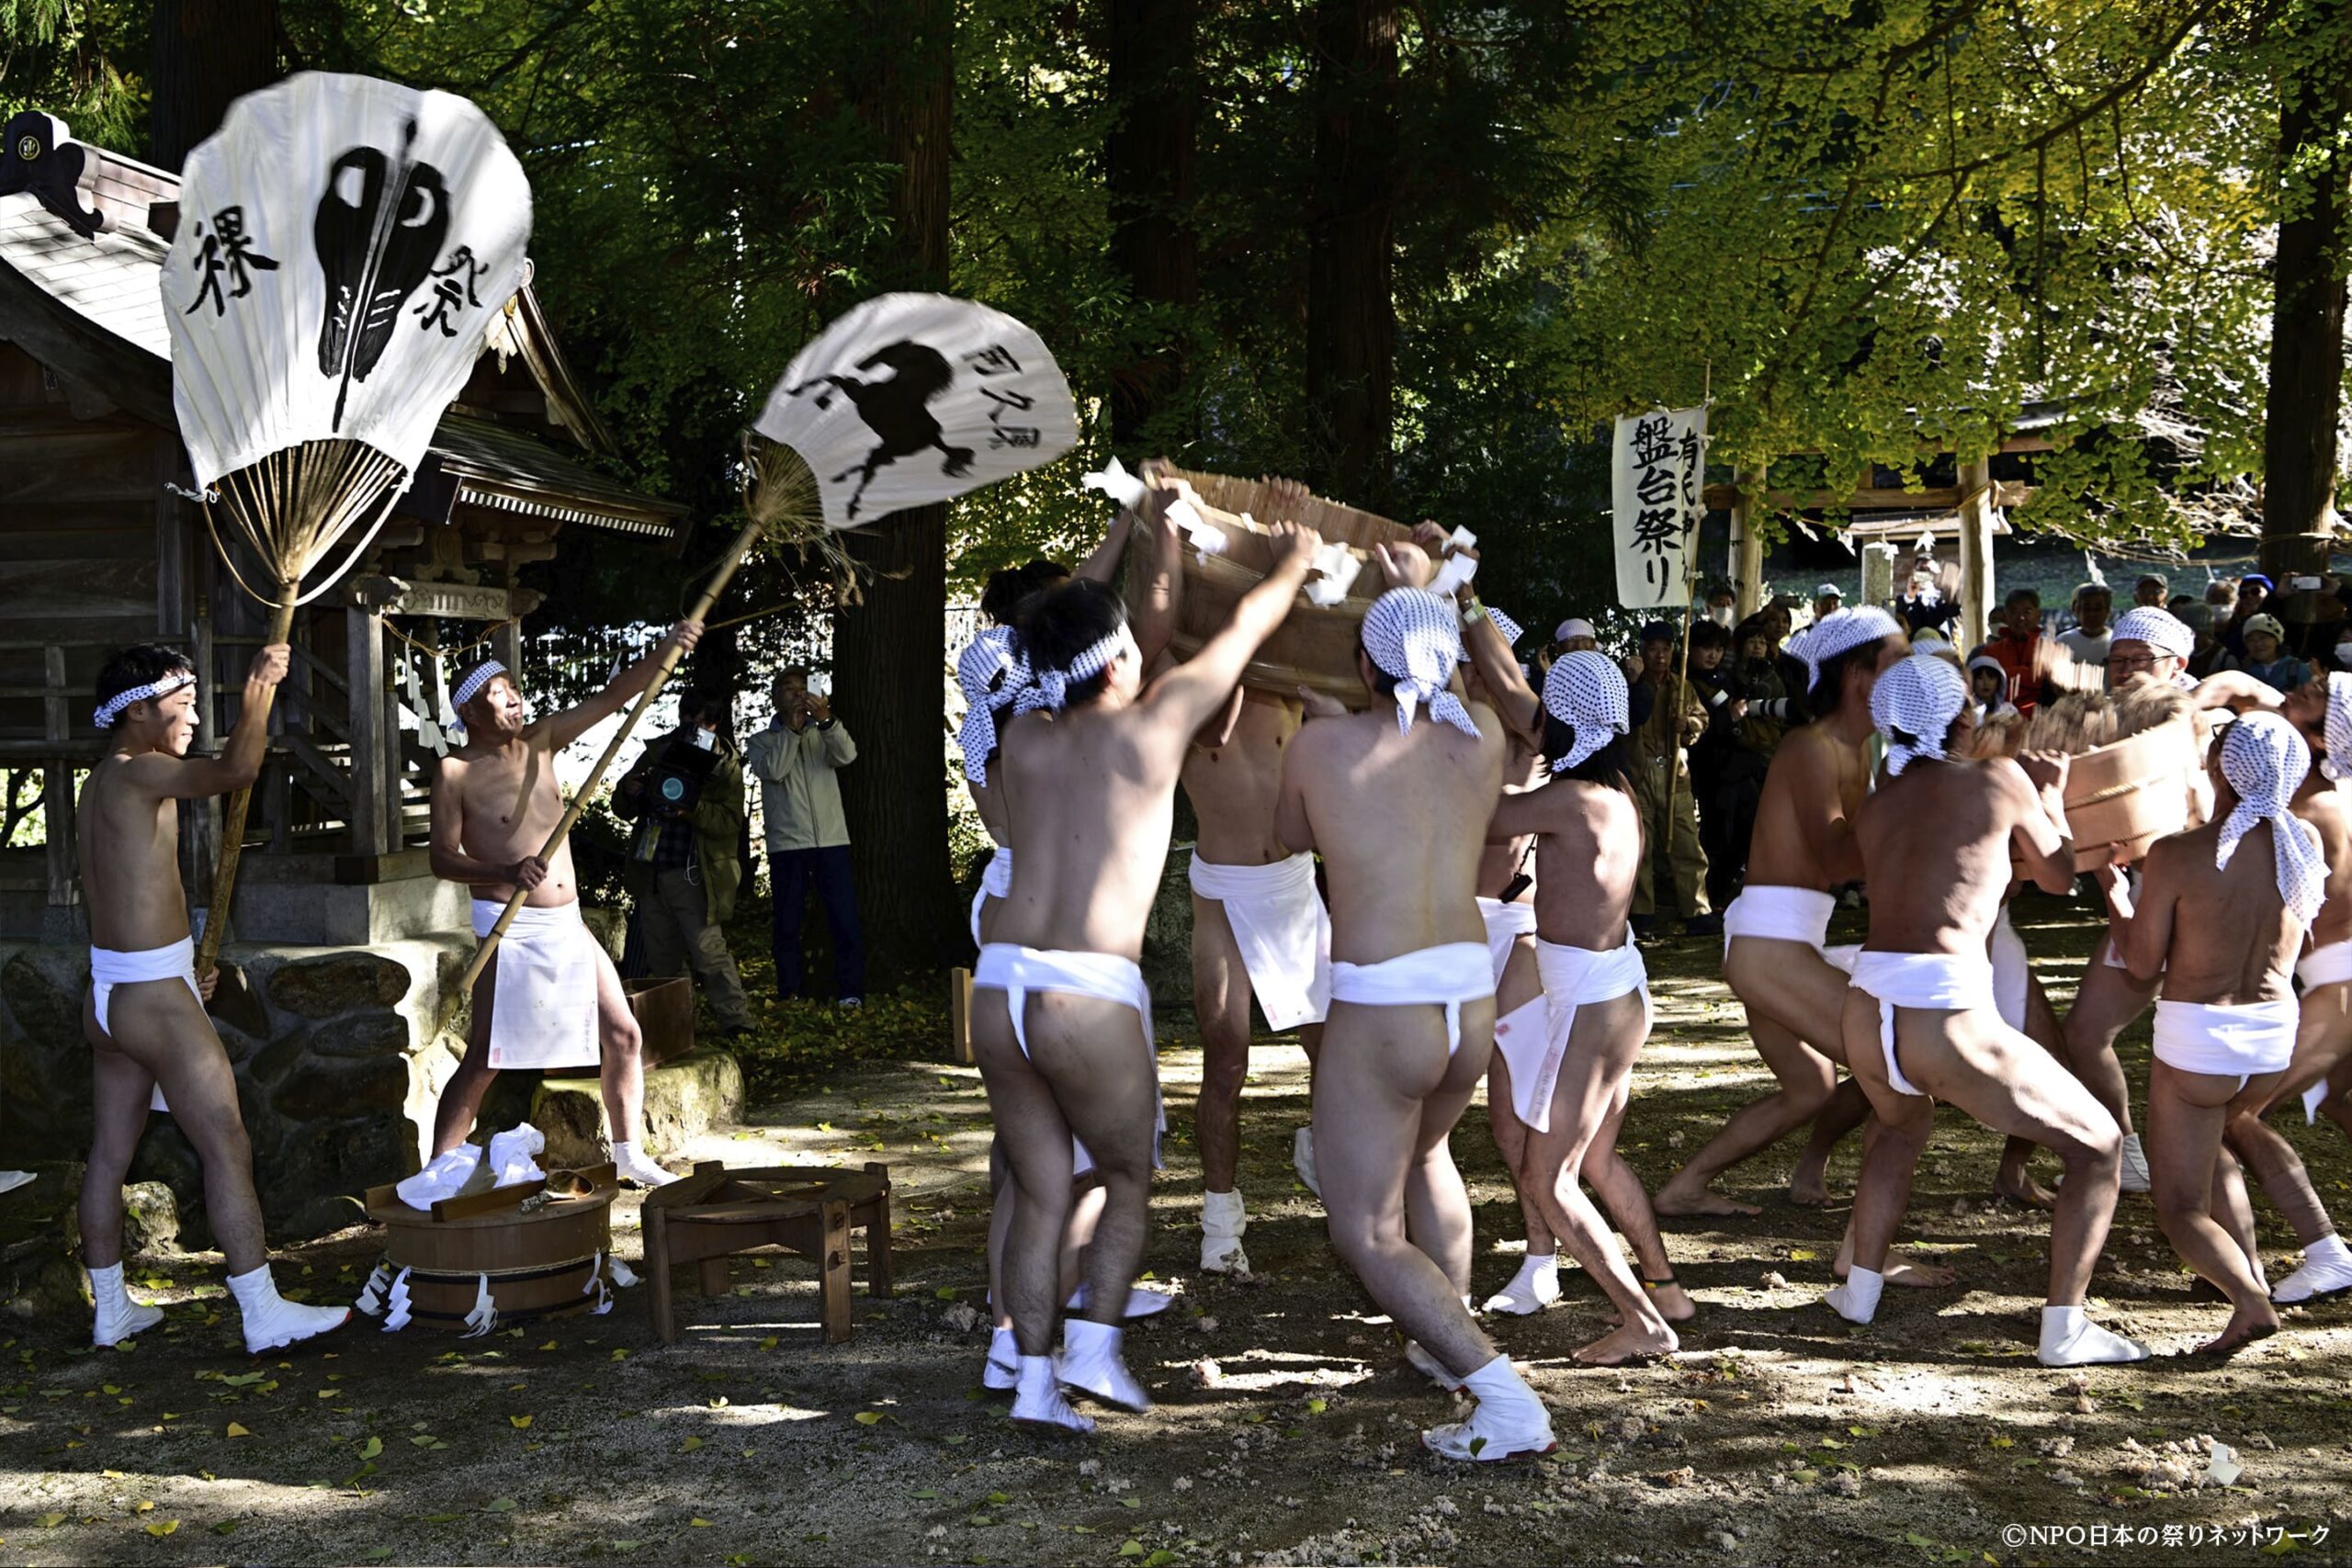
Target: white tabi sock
(1856,1300)
(1302,1160)
(2327,1272)
(2069,1339)
(2135,1178)
(1037,1398)
(271,1321)
(1223,1219)
(1002,1369)
(1533,1288)
(1508,1422)
(1092,1359)
(441,1179)
(633,1163)
(119,1317)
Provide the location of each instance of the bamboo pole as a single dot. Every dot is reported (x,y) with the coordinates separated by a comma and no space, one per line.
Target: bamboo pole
(232,822)
(669,661)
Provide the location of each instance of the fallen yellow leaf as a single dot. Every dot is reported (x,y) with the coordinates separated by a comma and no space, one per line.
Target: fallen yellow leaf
(162,1527)
(698,1524)
(237,1430)
(868,1418)
(50,1521)
(690,1445)
(520,1423)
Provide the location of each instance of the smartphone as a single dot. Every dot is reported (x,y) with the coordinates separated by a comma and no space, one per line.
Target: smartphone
(820,683)
(2303,584)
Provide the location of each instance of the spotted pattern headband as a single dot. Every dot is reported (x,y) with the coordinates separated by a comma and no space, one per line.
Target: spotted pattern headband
(1415,638)
(164,686)
(1048,690)
(987,672)
(1586,691)
(1918,696)
(2265,758)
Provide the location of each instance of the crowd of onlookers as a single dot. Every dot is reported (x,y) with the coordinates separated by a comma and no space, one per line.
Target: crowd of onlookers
(1700,747)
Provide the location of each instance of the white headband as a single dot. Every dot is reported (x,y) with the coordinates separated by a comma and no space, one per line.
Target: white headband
(1049,689)
(164,686)
(987,673)
(2265,758)
(1415,638)
(1918,696)
(1512,631)
(1842,631)
(1586,691)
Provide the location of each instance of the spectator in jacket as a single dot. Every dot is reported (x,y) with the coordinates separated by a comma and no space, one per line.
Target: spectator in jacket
(795,759)
(685,794)
(1667,718)
(1715,680)
(2265,658)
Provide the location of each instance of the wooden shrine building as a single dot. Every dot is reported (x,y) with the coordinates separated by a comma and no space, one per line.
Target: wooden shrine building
(98,548)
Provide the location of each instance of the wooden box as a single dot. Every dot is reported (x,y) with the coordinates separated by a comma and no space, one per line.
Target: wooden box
(1315,646)
(664,1007)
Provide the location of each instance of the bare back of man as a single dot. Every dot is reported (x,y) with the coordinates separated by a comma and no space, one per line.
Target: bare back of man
(496,800)
(1242,871)
(145,1018)
(2225,942)
(1401,853)
(1090,792)
(1921,1024)
(1774,960)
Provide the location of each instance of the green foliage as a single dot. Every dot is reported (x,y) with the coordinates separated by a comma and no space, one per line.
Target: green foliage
(795,1047)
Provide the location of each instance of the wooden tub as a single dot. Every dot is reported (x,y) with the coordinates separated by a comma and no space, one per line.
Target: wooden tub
(2132,791)
(1315,647)
(547,1261)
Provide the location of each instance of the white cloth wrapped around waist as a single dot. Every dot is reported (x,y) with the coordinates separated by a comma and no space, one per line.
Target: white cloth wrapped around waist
(1505,923)
(2239,1040)
(2012,971)
(2329,966)
(1787,914)
(1572,977)
(109,968)
(1281,928)
(1445,976)
(1017,971)
(544,1013)
(996,882)
(1939,981)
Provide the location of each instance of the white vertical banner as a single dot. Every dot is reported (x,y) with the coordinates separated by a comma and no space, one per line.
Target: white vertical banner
(1659,471)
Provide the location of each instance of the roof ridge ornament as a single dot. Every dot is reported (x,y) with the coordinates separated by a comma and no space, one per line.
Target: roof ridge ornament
(43,157)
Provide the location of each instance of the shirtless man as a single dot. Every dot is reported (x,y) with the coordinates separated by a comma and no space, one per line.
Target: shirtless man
(1570,1084)
(2150,644)
(495,802)
(1775,932)
(989,676)
(2223,910)
(1395,799)
(145,1019)
(1062,1021)
(1920,1019)
(2323,711)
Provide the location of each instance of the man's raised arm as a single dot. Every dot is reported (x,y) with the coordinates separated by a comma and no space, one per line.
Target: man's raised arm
(568,726)
(239,764)
(1192,692)
(2044,842)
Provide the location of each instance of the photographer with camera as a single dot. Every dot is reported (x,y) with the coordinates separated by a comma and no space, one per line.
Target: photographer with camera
(808,838)
(687,797)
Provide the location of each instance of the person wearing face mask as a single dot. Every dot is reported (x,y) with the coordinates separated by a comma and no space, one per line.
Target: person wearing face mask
(685,794)
(1723,606)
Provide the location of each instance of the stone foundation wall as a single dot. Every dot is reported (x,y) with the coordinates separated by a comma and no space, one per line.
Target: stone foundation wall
(338,1067)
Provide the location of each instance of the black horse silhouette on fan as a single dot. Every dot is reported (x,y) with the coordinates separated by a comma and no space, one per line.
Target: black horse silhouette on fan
(895,410)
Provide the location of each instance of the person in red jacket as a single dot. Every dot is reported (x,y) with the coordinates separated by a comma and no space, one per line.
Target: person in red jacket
(2026,656)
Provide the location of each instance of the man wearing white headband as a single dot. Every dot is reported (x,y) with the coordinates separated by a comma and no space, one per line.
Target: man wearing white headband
(1568,1080)
(1920,1019)
(2150,644)
(552,997)
(2323,711)
(2221,913)
(1061,1018)
(1396,799)
(150,1038)
(1259,931)
(1776,959)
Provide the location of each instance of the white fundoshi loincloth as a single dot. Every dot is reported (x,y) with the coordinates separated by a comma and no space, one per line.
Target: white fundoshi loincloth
(109,968)
(996,882)
(2240,1040)
(1282,931)
(2329,966)
(1937,981)
(1787,914)
(2012,971)
(1505,923)
(1444,976)
(544,1014)
(1572,977)
(1017,971)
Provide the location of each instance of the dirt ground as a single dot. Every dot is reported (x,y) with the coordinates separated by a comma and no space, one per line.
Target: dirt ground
(1287,1426)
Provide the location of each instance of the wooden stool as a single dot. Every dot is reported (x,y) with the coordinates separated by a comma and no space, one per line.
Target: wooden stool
(716,1213)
